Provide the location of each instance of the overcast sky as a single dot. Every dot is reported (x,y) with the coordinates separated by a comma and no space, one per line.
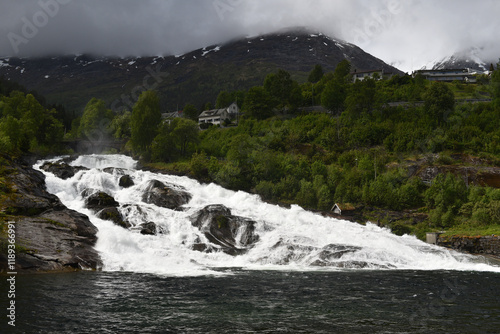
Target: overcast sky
(406,33)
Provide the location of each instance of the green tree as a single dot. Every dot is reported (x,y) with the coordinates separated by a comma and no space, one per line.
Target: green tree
(333,96)
(120,126)
(342,73)
(258,103)
(280,86)
(184,133)
(224,99)
(174,139)
(316,74)
(145,119)
(10,134)
(361,98)
(190,112)
(96,120)
(439,102)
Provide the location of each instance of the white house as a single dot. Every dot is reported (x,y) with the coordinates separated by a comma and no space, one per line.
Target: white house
(362,75)
(449,75)
(218,116)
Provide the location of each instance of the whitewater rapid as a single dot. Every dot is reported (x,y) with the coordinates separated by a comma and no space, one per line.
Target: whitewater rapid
(304,234)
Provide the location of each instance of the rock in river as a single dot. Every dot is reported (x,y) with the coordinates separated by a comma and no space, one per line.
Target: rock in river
(165,196)
(233,234)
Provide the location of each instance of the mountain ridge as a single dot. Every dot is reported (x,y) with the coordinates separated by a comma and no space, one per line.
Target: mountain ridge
(194,77)
(471,58)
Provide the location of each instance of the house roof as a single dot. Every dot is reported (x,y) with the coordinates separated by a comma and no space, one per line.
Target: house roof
(445,70)
(368,71)
(346,206)
(212,113)
(171,114)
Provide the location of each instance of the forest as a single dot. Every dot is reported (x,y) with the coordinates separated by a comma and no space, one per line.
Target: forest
(367,150)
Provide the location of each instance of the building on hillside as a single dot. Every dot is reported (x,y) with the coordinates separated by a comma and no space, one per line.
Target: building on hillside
(343,209)
(372,74)
(218,116)
(169,116)
(449,75)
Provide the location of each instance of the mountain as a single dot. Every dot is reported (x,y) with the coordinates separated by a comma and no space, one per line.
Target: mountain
(196,77)
(471,58)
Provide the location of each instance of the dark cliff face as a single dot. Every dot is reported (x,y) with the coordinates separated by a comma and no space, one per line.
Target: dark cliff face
(48,236)
(196,77)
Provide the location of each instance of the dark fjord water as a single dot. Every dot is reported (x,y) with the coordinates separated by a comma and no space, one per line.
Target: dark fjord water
(259,302)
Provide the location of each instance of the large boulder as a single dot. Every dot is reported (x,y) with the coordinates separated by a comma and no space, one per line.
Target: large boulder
(26,194)
(232,234)
(112,214)
(99,201)
(56,241)
(48,236)
(61,169)
(165,196)
(150,229)
(126,181)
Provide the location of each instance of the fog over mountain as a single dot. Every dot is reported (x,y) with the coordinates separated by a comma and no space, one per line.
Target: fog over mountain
(407,34)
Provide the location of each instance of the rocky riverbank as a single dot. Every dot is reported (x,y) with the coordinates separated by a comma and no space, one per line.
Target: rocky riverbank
(477,245)
(48,236)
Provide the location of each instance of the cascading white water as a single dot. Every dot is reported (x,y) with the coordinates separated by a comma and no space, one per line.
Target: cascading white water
(289,239)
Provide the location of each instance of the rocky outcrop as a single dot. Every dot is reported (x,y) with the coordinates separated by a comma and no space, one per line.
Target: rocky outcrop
(473,175)
(100,201)
(150,229)
(112,214)
(48,236)
(165,196)
(126,181)
(232,234)
(479,245)
(61,169)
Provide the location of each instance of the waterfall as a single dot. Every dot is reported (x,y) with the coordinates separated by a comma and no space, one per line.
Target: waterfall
(277,238)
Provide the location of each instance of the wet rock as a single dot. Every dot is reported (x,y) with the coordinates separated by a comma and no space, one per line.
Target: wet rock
(149,229)
(345,264)
(114,170)
(126,181)
(204,248)
(234,235)
(483,245)
(27,195)
(112,214)
(333,252)
(61,169)
(165,196)
(99,201)
(56,241)
(49,237)
(289,252)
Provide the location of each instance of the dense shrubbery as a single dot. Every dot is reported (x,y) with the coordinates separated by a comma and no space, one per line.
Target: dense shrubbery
(27,126)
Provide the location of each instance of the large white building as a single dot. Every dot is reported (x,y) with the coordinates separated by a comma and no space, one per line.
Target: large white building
(449,75)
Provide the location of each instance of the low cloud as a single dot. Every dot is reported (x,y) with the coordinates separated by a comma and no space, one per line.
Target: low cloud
(407,33)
